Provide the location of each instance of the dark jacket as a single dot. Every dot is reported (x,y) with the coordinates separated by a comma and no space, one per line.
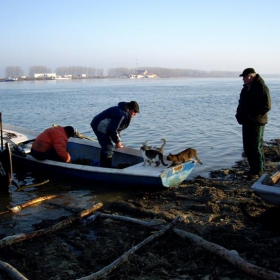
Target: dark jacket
(112,121)
(254,103)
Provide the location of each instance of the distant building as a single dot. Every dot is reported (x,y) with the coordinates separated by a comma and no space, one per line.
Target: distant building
(45,75)
(63,77)
(141,72)
(124,76)
(151,76)
(82,75)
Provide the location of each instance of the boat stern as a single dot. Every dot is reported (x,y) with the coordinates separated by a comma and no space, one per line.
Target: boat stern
(267,188)
(175,175)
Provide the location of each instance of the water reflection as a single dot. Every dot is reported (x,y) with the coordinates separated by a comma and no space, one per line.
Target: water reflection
(71,194)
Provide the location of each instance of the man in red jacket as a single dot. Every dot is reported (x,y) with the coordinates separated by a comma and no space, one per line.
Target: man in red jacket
(52,144)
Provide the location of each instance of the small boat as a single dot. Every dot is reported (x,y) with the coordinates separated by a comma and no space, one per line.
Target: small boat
(6,165)
(268,187)
(63,77)
(6,168)
(10,79)
(127,163)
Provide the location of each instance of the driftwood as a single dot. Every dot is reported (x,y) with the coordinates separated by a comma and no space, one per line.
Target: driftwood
(32,201)
(11,271)
(229,256)
(124,257)
(19,207)
(151,223)
(222,252)
(9,240)
(31,185)
(131,208)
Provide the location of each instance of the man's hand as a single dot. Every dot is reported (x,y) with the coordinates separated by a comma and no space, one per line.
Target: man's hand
(119,145)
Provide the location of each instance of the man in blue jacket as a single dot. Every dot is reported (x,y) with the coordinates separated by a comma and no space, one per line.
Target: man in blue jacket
(107,127)
(254,104)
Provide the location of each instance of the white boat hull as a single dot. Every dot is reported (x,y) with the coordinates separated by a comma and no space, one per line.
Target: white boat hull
(268,188)
(127,162)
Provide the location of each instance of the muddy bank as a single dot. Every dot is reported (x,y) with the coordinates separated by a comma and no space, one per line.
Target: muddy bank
(208,208)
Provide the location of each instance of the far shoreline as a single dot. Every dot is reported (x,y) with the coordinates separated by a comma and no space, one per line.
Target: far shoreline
(120,78)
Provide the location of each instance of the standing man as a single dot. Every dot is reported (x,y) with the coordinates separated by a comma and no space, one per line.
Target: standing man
(107,127)
(254,104)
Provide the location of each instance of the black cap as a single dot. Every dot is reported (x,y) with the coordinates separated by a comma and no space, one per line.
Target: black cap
(69,131)
(133,105)
(247,71)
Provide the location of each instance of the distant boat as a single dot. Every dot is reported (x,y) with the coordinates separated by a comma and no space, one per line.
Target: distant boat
(10,79)
(134,76)
(63,78)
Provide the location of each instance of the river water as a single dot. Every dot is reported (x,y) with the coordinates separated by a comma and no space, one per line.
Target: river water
(198,113)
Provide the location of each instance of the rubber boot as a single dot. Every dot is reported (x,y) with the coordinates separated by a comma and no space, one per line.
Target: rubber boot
(109,162)
(105,161)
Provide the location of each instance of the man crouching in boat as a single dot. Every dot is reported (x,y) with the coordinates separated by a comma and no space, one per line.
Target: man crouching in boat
(52,144)
(107,127)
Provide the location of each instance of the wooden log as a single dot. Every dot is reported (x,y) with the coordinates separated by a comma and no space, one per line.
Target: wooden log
(3,212)
(19,207)
(9,240)
(10,270)
(222,252)
(229,256)
(31,185)
(123,258)
(152,223)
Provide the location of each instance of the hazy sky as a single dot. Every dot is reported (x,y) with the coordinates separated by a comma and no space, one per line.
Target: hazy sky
(226,35)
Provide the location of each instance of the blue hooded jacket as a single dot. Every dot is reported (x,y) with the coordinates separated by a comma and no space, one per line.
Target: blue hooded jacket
(112,120)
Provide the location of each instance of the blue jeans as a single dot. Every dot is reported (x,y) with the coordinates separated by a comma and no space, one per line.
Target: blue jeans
(107,146)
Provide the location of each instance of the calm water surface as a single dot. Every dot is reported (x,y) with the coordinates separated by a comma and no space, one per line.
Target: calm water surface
(198,113)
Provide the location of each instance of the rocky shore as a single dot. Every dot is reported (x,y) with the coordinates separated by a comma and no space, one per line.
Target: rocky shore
(207,208)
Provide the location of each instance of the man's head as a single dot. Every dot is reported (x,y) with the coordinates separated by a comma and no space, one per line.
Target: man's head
(69,131)
(133,107)
(248,71)
(248,75)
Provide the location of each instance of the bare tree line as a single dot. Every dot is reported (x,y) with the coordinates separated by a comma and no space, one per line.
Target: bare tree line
(117,72)
(173,72)
(13,72)
(16,71)
(38,69)
(79,70)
